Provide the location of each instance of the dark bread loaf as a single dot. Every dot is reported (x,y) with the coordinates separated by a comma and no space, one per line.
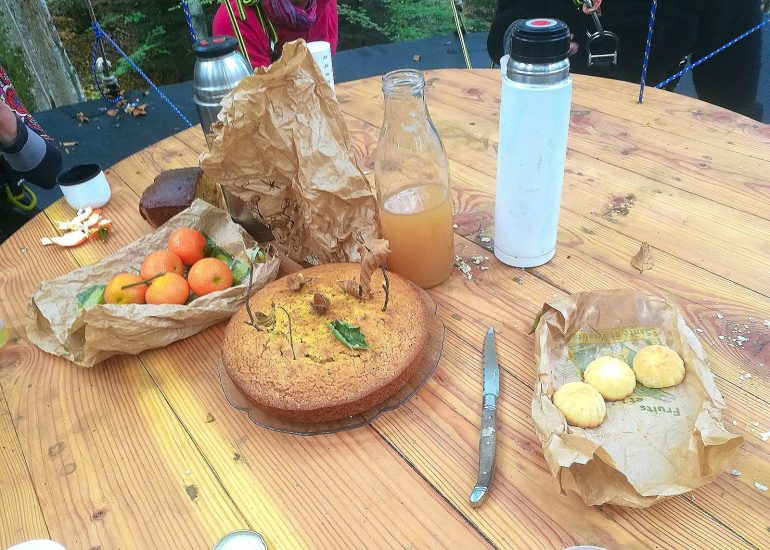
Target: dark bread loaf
(173,191)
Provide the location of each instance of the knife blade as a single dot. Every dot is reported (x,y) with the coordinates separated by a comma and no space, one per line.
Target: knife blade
(488,438)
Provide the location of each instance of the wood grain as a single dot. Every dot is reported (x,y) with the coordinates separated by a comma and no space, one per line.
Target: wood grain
(609,243)
(144,452)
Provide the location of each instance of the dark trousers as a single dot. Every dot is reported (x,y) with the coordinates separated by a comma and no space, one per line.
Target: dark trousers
(682,27)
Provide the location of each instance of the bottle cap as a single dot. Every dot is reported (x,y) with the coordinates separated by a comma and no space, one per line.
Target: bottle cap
(214,46)
(540,40)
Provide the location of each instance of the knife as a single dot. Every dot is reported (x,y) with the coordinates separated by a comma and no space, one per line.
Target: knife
(488,440)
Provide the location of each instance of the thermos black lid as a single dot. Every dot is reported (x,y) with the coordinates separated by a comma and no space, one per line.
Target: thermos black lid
(214,46)
(540,40)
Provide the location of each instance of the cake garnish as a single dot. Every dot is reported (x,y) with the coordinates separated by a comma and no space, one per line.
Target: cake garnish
(320,303)
(348,334)
(261,321)
(296,281)
(373,256)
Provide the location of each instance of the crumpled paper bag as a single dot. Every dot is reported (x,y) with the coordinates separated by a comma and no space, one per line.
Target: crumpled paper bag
(280,144)
(655,444)
(57,323)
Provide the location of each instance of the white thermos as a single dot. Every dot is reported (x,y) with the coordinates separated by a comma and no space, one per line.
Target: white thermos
(534,119)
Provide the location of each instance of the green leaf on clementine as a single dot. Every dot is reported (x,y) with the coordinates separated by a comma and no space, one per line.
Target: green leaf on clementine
(348,334)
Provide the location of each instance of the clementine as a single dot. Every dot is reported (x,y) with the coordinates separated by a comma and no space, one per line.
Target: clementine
(188,244)
(161,261)
(209,275)
(170,288)
(114,293)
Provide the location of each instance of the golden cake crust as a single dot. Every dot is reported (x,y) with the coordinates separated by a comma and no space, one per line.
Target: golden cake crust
(327,380)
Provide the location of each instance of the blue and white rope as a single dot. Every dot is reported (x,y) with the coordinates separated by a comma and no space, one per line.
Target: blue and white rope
(98,35)
(188,18)
(719,50)
(647,48)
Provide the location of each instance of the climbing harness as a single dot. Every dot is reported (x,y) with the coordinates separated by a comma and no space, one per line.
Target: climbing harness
(20,196)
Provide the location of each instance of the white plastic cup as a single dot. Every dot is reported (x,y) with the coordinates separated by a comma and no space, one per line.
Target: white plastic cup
(84,186)
(322,55)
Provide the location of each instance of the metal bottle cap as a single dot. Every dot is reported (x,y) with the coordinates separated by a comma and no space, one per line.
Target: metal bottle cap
(539,51)
(214,46)
(539,40)
(241,540)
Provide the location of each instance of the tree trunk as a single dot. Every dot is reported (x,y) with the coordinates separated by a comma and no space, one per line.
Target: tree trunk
(28,38)
(198,20)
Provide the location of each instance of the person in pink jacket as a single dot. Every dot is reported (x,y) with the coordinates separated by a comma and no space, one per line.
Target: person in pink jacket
(270,24)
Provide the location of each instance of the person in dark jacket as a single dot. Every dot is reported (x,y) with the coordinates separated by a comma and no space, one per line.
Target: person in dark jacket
(682,27)
(26,152)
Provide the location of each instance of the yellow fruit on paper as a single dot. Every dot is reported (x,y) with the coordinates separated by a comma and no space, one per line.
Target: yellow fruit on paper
(658,367)
(612,377)
(582,405)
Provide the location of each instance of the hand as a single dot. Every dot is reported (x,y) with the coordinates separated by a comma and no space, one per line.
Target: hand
(8,130)
(573,46)
(597,7)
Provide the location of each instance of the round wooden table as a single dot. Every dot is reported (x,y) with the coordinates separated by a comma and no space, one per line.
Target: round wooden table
(144,452)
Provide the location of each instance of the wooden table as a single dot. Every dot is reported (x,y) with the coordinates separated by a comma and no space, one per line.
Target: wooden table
(143,452)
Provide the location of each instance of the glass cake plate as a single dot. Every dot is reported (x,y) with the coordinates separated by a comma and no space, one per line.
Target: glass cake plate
(239,400)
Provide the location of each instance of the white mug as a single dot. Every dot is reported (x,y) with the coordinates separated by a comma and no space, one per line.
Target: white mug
(322,55)
(84,186)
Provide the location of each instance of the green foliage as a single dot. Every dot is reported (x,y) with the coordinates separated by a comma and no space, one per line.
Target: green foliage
(152,45)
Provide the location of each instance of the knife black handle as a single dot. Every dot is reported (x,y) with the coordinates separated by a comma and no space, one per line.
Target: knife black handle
(487,450)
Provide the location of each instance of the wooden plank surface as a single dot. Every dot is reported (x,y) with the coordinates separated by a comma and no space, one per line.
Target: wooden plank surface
(198,469)
(271,477)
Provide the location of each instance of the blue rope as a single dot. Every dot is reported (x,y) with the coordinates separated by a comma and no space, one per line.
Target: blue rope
(99,34)
(188,18)
(719,50)
(647,48)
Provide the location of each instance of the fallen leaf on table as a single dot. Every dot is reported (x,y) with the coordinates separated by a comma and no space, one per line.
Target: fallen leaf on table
(643,259)
(416,57)
(80,117)
(111,112)
(139,110)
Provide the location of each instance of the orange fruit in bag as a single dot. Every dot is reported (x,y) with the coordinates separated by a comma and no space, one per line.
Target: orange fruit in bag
(114,293)
(161,261)
(188,244)
(170,288)
(209,275)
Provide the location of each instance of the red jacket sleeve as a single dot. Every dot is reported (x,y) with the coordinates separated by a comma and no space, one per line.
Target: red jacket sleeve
(253,35)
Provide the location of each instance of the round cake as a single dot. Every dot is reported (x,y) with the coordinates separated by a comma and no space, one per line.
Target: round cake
(324,379)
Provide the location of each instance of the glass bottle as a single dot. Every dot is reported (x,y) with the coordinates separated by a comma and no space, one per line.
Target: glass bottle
(412,177)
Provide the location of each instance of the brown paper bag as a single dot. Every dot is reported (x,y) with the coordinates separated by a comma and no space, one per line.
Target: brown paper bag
(58,324)
(655,444)
(281,145)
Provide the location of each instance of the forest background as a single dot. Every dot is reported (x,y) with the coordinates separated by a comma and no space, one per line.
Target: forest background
(156,36)
(154,32)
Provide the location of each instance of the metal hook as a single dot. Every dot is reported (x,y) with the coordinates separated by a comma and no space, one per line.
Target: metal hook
(611,58)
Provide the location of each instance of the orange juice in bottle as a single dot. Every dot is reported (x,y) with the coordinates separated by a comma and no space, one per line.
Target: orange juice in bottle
(412,177)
